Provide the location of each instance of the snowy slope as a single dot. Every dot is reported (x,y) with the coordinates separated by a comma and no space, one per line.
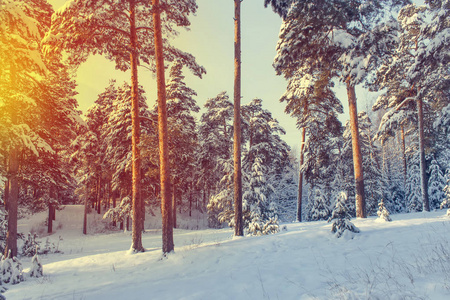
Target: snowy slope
(408,258)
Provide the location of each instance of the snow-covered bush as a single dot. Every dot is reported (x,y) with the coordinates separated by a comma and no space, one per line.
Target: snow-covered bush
(382,212)
(11,270)
(36,269)
(3,229)
(340,217)
(30,246)
(446,201)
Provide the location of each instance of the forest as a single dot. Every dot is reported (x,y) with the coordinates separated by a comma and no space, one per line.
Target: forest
(125,161)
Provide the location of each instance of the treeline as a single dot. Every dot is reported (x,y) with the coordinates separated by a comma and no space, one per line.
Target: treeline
(396,48)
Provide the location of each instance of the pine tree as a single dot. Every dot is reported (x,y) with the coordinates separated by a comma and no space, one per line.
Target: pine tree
(183,140)
(413,189)
(37,98)
(318,205)
(238,219)
(382,212)
(215,133)
(262,218)
(436,183)
(310,99)
(340,218)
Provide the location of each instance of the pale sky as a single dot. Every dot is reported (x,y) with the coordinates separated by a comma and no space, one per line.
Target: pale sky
(210,40)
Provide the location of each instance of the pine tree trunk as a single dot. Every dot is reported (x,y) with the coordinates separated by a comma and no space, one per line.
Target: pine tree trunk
(404,154)
(114,196)
(166,203)
(238,221)
(423,167)
(300,176)
(136,234)
(13,197)
(357,157)
(99,201)
(6,194)
(174,209)
(50,219)
(85,215)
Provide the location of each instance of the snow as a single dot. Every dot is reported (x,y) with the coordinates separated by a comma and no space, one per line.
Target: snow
(304,261)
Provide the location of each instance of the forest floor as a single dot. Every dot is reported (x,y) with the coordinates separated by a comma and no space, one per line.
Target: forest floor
(408,258)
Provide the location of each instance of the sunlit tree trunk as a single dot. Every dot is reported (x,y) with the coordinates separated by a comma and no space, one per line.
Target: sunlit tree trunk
(423,167)
(6,194)
(136,132)
(357,157)
(300,176)
(13,197)
(166,201)
(238,221)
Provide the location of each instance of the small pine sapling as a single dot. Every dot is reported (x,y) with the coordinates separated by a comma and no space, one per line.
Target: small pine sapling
(382,212)
(340,217)
(36,267)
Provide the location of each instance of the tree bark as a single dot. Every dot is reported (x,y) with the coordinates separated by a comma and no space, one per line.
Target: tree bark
(166,203)
(357,157)
(423,167)
(136,234)
(238,221)
(6,194)
(13,197)
(300,176)
(85,215)
(174,209)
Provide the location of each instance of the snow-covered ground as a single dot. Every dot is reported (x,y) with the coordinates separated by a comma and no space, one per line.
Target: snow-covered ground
(408,258)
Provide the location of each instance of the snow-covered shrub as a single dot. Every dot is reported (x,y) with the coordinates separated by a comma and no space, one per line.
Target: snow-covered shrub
(36,269)
(340,217)
(30,246)
(120,212)
(11,270)
(382,212)
(3,229)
